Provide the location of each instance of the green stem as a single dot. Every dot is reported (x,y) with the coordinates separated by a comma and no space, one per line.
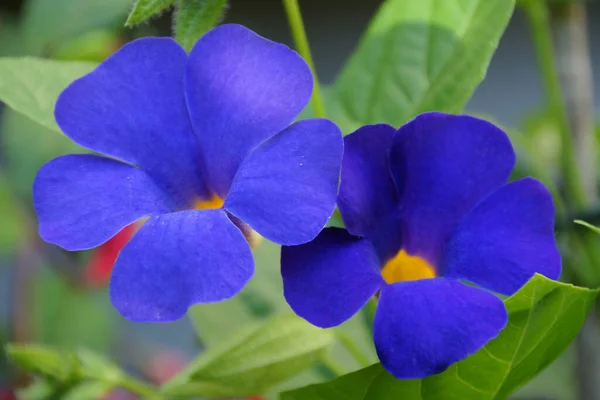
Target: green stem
(539,19)
(294,16)
(352,348)
(144,390)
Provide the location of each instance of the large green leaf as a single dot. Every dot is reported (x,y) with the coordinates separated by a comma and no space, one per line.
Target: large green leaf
(417,56)
(253,360)
(31,86)
(544,317)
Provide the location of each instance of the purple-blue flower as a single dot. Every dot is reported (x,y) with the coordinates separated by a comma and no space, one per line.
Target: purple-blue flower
(427,208)
(202,145)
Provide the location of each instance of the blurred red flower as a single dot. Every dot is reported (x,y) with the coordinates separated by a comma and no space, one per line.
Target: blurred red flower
(99,267)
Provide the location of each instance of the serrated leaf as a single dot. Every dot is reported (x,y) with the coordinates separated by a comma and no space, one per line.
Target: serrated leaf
(255,359)
(195,18)
(31,86)
(144,9)
(544,317)
(416,56)
(40,359)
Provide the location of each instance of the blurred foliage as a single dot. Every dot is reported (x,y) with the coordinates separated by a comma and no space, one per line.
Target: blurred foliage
(69,317)
(48,24)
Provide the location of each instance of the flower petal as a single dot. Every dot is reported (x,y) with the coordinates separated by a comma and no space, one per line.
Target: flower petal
(179,259)
(241,90)
(422,327)
(132,107)
(286,188)
(368,198)
(84,200)
(443,166)
(329,279)
(506,239)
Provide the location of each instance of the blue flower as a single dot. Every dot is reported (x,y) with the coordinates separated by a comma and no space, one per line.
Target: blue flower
(426,207)
(203,146)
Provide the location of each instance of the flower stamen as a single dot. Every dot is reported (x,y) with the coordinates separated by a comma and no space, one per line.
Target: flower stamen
(404,267)
(209,204)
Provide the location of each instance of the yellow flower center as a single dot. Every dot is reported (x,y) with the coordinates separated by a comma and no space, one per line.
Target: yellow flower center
(209,204)
(404,267)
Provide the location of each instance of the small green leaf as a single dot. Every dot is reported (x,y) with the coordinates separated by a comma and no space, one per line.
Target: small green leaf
(40,389)
(96,366)
(588,225)
(544,317)
(416,56)
(254,360)
(195,18)
(144,9)
(90,390)
(31,86)
(41,359)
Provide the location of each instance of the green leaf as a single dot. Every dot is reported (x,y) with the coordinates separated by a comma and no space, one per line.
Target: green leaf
(544,317)
(41,359)
(255,359)
(93,365)
(144,9)
(47,24)
(195,18)
(40,389)
(31,86)
(416,56)
(91,390)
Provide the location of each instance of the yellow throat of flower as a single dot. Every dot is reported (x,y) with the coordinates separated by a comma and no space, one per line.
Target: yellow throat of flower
(209,204)
(404,267)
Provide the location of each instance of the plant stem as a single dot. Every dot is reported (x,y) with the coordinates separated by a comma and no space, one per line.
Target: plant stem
(352,348)
(142,389)
(539,19)
(294,15)
(574,115)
